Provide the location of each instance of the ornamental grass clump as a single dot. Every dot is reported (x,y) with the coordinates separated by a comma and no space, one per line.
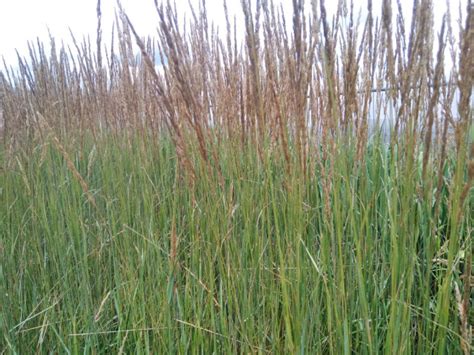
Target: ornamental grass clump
(292,183)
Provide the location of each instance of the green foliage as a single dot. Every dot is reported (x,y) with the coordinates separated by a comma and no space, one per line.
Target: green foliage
(257,264)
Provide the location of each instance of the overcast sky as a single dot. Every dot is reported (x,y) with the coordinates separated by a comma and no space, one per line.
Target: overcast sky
(24,20)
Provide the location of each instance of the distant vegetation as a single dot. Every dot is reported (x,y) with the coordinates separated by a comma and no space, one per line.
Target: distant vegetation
(242,198)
